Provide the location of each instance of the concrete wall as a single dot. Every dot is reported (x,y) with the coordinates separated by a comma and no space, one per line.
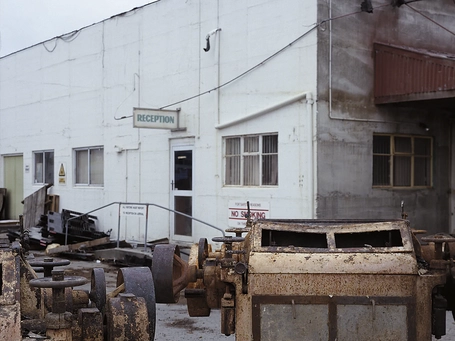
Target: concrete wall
(71,91)
(347,116)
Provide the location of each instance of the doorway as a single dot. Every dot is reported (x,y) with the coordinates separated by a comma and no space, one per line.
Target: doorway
(182,192)
(14,184)
(452,179)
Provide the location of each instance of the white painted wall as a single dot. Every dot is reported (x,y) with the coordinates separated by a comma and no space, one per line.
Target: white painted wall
(66,94)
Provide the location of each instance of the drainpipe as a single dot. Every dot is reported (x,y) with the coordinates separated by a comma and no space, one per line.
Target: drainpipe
(313,171)
(263,111)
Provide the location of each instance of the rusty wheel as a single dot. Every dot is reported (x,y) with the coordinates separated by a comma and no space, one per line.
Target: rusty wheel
(203,252)
(168,273)
(139,281)
(98,289)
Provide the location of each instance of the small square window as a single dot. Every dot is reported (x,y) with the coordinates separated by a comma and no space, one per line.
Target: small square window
(43,167)
(251,160)
(402,161)
(89,166)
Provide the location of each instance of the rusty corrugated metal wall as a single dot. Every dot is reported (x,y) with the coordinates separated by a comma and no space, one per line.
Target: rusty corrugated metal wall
(405,75)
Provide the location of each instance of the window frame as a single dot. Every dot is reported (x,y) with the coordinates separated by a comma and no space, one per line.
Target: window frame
(89,182)
(412,155)
(249,154)
(44,170)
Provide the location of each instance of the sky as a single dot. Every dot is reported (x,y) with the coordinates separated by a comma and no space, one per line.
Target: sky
(24,23)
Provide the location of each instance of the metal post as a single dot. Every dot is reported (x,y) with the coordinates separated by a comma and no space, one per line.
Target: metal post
(118,228)
(66,232)
(146,226)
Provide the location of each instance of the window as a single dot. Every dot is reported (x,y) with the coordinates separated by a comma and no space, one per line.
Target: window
(89,166)
(43,167)
(402,161)
(251,160)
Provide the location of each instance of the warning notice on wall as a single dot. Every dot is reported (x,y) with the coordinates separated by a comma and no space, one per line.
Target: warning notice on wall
(62,175)
(133,210)
(238,210)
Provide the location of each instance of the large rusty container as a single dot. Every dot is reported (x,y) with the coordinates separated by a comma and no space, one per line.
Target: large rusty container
(335,280)
(319,280)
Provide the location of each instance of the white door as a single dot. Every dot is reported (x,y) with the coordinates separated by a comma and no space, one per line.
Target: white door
(14,184)
(182,192)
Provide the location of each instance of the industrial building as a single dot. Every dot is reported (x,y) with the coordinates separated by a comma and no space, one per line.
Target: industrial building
(304,109)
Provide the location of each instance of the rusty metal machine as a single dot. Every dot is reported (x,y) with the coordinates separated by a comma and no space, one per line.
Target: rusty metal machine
(317,280)
(272,280)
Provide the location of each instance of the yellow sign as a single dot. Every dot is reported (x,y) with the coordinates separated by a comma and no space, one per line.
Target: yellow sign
(62,170)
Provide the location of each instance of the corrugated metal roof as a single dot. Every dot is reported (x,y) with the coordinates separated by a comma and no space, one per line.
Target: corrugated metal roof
(410,75)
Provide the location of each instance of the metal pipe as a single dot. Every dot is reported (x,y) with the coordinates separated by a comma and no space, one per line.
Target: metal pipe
(263,111)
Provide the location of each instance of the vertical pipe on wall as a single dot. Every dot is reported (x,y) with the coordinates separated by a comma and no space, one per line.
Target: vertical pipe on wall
(313,170)
(199,75)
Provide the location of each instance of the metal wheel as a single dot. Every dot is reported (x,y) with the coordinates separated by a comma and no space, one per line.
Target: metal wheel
(139,281)
(98,289)
(169,273)
(203,252)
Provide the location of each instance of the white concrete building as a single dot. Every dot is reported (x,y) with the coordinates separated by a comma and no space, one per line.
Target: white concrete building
(306,109)
(246,116)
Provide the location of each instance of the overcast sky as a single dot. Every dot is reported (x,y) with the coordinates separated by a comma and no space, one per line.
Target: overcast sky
(25,23)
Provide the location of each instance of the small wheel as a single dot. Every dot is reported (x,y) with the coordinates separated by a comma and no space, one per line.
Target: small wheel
(139,281)
(228,239)
(203,252)
(98,289)
(67,282)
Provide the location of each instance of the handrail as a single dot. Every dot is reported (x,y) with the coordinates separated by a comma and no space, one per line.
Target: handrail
(146,222)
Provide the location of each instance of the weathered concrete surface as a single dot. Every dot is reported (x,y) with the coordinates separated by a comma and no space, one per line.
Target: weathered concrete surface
(172,322)
(348,118)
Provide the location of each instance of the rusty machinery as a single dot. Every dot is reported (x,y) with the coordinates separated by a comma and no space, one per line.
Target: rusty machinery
(272,280)
(316,280)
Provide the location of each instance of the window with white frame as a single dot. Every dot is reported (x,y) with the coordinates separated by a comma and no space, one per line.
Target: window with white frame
(251,160)
(43,167)
(89,166)
(402,161)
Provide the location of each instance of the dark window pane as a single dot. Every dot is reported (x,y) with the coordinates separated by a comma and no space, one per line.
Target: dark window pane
(270,144)
(233,146)
(39,167)
(233,170)
(381,170)
(49,167)
(251,144)
(381,144)
(183,170)
(251,170)
(422,147)
(270,170)
(422,171)
(403,144)
(402,171)
(82,167)
(182,224)
(96,166)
